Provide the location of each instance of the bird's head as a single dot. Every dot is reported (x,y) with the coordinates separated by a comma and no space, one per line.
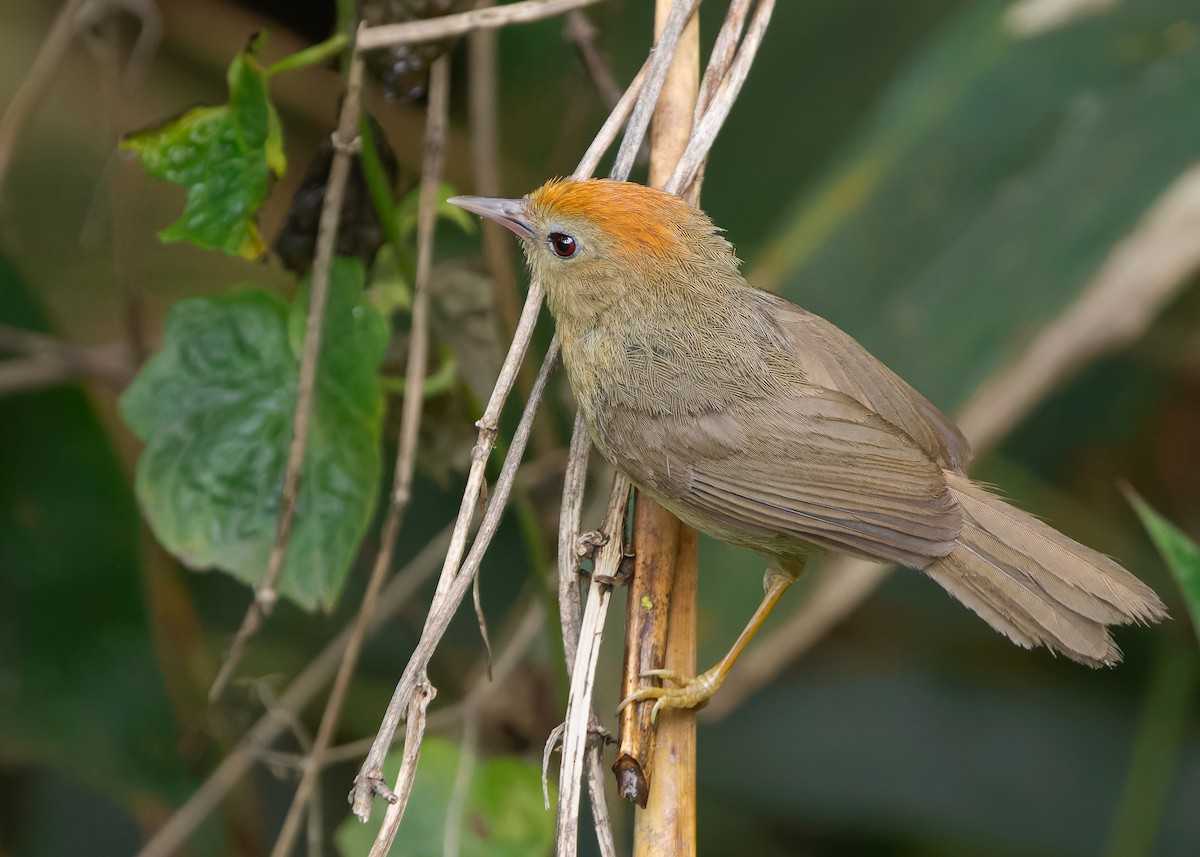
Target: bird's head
(592,244)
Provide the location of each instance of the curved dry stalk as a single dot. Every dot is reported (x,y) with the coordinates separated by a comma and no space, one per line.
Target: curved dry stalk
(691,162)
(578,722)
(1141,275)
(32,90)
(414,734)
(406,452)
(344,139)
(456,579)
(488,18)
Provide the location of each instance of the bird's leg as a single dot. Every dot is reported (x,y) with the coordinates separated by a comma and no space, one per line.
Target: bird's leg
(695,691)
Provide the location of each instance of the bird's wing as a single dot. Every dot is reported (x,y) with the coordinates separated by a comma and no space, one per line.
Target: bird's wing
(818,467)
(832,358)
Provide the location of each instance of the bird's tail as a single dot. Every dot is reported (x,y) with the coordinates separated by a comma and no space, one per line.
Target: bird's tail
(1035,585)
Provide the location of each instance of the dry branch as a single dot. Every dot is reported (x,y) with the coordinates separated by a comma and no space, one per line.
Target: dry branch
(488,18)
(406,453)
(345,138)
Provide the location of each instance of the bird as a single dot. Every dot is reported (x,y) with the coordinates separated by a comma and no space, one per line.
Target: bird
(766,426)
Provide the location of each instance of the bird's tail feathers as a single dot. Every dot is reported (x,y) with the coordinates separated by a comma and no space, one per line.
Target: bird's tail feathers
(1035,585)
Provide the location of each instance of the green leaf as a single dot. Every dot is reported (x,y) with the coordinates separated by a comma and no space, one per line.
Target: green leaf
(215,408)
(503,817)
(990,184)
(406,211)
(1180,553)
(225,156)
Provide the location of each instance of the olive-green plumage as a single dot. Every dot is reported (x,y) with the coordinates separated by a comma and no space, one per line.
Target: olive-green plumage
(764,425)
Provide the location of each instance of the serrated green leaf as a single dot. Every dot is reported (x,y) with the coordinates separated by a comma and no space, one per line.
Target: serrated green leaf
(215,408)
(406,211)
(226,157)
(1180,553)
(504,815)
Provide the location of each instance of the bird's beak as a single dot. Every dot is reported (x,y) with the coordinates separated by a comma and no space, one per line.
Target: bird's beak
(511,213)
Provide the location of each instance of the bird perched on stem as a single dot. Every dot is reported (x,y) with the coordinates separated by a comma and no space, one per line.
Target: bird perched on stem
(764,425)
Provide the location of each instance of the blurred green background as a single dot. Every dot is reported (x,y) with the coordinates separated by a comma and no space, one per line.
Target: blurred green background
(943,179)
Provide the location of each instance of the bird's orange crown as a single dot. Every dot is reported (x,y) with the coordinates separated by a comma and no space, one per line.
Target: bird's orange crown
(637,219)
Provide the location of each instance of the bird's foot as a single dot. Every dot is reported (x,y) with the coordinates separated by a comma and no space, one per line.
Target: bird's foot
(688,692)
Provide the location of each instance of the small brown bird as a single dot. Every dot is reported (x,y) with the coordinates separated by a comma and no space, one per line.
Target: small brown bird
(764,425)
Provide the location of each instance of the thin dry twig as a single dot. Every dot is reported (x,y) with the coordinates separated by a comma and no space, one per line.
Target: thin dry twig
(582,33)
(1141,275)
(570,607)
(477,697)
(345,139)
(457,574)
(631,104)
(406,453)
(632,97)
(656,75)
(48,362)
(691,162)
(578,722)
(497,242)
(102,37)
(456,806)
(414,734)
(33,88)
(172,836)
(447,26)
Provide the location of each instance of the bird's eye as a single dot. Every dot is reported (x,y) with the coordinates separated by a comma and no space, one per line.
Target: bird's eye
(563,244)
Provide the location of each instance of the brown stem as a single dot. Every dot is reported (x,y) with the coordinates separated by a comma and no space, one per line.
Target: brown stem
(265,593)
(406,454)
(488,18)
(668,823)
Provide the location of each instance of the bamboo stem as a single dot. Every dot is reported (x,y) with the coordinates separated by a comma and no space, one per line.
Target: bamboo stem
(667,826)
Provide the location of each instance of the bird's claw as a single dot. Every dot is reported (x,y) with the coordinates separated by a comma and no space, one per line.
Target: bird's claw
(692,692)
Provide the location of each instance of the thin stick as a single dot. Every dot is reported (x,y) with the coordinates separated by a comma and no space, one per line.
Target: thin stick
(570,607)
(582,33)
(479,694)
(32,91)
(681,12)
(52,361)
(648,604)
(719,61)
(265,593)
(577,725)
(497,241)
(455,579)
(414,734)
(406,453)
(692,160)
(456,806)
(489,18)
(172,836)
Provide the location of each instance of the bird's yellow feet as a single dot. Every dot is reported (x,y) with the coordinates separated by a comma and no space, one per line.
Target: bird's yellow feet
(689,691)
